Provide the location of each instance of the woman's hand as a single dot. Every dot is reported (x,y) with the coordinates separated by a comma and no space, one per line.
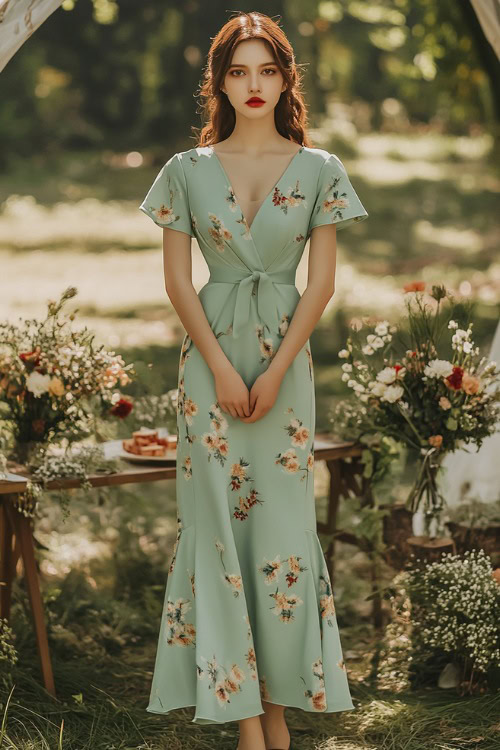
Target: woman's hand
(232,394)
(263,394)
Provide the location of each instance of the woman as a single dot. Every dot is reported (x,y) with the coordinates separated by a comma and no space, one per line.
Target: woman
(249,623)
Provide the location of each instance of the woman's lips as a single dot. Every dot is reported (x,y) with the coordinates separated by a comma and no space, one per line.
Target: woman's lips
(255,102)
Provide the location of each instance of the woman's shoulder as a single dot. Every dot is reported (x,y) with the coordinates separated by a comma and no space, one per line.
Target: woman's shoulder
(319,155)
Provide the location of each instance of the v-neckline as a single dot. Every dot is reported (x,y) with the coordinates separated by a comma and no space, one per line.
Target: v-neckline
(264,201)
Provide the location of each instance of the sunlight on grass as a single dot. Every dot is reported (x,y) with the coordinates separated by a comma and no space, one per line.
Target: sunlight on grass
(430,147)
(27,224)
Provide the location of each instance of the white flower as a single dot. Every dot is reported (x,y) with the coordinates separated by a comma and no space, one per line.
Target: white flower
(359,388)
(392,393)
(366,349)
(378,389)
(452,324)
(37,383)
(438,368)
(382,328)
(387,375)
(459,335)
(343,353)
(345,377)
(347,367)
(467,347)
(375,341)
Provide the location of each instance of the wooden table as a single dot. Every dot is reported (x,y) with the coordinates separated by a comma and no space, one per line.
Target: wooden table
(16,530)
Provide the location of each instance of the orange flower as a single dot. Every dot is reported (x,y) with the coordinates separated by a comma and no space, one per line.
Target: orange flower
(414,286)
(470,384)
(318,700)
(436,440)
(56,387)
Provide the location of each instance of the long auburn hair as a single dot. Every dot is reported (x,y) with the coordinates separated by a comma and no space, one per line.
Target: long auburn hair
(290,114)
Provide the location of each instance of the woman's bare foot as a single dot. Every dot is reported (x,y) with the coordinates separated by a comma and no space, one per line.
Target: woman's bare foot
(251,734)
(276,734)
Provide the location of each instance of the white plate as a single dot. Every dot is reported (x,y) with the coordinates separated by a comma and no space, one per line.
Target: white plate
(170,455)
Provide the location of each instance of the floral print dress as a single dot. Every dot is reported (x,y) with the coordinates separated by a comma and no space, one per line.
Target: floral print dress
(249,612)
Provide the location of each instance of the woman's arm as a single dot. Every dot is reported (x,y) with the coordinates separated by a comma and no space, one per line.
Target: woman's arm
(320,287)
(232,393)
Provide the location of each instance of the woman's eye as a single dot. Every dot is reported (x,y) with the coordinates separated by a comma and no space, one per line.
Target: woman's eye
(241,71)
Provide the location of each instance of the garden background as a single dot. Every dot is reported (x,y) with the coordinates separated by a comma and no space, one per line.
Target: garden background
(408,96)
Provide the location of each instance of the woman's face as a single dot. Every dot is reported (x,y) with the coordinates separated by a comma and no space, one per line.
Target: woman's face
(253,73)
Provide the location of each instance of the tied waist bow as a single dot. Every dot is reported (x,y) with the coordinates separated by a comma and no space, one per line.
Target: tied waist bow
(266,295)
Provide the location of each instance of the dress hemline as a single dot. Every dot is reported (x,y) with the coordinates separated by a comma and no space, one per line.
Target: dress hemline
(209,719)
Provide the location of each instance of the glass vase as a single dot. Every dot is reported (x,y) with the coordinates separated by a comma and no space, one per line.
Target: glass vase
(425,495)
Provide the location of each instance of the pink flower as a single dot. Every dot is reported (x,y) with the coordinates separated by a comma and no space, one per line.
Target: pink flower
(444,403)
(470,384)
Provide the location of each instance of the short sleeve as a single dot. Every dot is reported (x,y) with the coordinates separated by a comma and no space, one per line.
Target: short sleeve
(167,200)
(336,199)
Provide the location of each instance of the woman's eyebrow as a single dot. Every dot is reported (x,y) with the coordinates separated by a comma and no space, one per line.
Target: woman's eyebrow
(235,65)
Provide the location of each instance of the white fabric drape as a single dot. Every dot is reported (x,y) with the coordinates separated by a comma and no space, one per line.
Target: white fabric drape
(488,13)
(478,470)
(18,20)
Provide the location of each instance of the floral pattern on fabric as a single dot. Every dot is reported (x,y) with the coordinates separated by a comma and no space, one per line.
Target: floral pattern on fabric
(260,624)
(179,632)
(222,682)
(316,696)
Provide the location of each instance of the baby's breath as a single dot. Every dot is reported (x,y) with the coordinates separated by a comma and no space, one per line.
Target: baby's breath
(456,609)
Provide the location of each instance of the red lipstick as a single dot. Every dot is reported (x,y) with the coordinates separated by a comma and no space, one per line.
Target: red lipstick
(255,101)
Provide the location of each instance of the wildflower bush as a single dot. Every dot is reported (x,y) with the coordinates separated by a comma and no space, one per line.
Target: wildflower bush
(445,611)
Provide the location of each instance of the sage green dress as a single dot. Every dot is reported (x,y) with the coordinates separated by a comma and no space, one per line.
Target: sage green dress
(249,613)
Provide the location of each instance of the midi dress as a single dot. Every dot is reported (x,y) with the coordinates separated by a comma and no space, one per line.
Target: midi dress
(249,613)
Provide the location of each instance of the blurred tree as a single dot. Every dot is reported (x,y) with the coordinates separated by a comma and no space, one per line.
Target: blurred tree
(124,75)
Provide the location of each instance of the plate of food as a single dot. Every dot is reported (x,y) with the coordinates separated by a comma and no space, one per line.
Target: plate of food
(149,445)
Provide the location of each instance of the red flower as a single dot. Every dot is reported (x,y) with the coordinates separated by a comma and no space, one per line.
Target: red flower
(398,368)
(31,358)
(414,286)
(122,408)
(455,379)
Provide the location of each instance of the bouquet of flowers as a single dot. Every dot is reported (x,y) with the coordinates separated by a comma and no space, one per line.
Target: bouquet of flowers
(54,383)
(430,402)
